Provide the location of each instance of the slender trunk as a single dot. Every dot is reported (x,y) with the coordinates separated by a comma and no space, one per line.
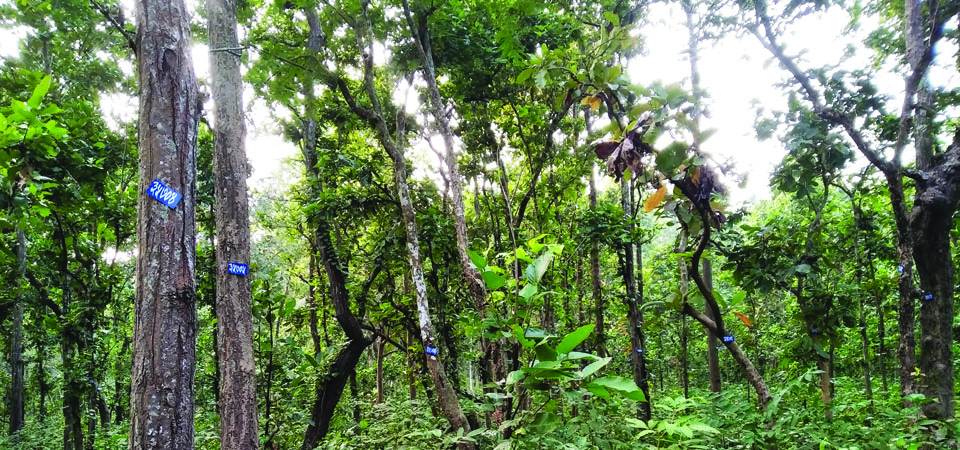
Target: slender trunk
(713,354)
(492,350)
(598,304)
(684,288)
(633,312)
(165,326)
(449,403)
(380,346)
(881,327)
(119,413)
(715,326)
(864,339)
(329,393)
(355,396)
(644,382)
(16,344)
(238,401)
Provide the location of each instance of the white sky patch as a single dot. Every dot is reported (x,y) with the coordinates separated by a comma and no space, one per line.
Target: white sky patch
(739,76)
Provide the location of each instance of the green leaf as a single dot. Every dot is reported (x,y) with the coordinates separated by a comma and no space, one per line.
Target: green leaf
(478,261)
(599,391)
(572,340)
(536,270)
(544,423)
(617,383)
(545,352)
(528,291)
(670,158)
(803,268)
(612,18)
(515,376)
(39,92)
(525,75)
(518,332)
(493,280)
(594,366)
(737,298)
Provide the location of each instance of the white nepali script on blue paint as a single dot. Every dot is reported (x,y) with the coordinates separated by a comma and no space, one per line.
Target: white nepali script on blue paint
(237,269)
(728,338)
(431,350)
(164,194)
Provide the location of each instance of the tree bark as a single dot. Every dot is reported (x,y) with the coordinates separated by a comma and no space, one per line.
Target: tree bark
(165,326)
(684,288)
(633,311)
(445,392)
(16,344)
(713,354)
(598,304)
(238,401)
(715,326)
(492,350)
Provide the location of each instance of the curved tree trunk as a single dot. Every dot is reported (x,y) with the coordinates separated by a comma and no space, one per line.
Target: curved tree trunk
(165,326)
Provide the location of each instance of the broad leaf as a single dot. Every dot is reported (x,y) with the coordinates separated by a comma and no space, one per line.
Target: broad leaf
(654,200)
(572,340)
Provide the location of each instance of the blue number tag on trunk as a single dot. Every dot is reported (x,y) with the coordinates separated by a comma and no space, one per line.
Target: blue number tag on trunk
(237,269)
(928,297)
(728,338)
(164,194)
(640,350)
(431,350)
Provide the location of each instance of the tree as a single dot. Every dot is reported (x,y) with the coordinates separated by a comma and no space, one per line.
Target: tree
(164,331)
(238,407)
(922,229)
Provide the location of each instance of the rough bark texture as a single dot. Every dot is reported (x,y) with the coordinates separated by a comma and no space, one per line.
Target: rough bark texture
(598,303)
(715,326)
(16,343)
(449,403)
(165,312)
(238,402)
(922,236)
(633,312)
(713,353)
(492,350)
(684,288)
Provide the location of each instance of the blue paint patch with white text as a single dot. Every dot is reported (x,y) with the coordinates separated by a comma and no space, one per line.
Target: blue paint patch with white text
(728,338)
(237,269)
(431,350)
(164,194)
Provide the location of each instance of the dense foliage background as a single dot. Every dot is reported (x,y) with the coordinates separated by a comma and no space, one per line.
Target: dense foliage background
(610,297)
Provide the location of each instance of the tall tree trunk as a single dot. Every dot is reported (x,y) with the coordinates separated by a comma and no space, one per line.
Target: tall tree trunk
(633,312)
(715,326)
(165,325)
(881,327)
(238,400)
(644,382)
(449,403)
(492,350)
(684,288)
(864,339)
(713,354)
(381,345)
(16,344)
(598,304)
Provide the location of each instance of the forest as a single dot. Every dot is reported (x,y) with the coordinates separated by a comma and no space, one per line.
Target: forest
(500,224)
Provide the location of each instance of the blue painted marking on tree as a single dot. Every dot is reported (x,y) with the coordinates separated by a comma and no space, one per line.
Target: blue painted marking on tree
(814,330)
(431,350)
(728,338)
(928,296)
(640,350)
(237,269)
(164,194)
(900,268)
